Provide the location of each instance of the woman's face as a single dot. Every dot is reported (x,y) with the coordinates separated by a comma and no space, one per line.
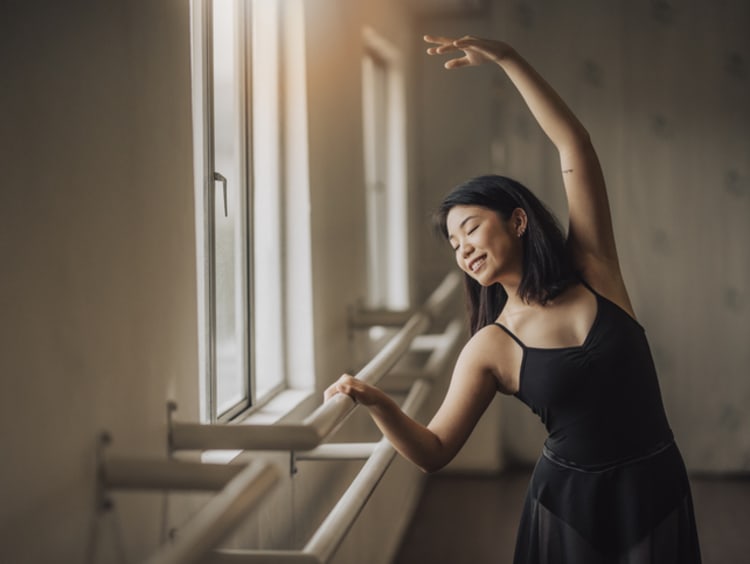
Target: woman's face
(487,247)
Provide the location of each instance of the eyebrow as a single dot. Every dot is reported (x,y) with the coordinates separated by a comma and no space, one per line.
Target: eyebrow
(460,225)
(465,220)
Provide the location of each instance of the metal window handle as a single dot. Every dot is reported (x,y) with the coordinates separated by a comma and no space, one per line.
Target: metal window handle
(221,178)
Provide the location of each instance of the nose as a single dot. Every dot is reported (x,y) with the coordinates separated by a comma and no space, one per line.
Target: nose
(466,249)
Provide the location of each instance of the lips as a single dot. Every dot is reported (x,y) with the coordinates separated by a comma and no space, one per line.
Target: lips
(477,263)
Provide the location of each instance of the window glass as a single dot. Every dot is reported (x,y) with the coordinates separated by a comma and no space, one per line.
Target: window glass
(230,186)
(268,221)
(375,121)
(247,131)
(383,106)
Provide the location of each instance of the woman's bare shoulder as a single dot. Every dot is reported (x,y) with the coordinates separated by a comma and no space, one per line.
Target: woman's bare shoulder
(493,351)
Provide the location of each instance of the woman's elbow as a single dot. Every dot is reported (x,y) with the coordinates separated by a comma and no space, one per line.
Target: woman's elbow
(432,466)
(576,140)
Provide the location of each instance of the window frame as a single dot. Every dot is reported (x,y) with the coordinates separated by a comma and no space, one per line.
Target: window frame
(388,273)
(291,184)
(205,190)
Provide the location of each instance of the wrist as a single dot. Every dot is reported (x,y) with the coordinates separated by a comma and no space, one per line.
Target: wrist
(505,53)
(382,404)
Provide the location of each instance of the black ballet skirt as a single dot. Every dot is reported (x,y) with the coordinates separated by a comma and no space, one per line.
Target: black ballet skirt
(610,486)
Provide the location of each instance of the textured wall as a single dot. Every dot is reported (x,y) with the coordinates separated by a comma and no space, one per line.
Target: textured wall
(98,292)
(98,285)
(663,88)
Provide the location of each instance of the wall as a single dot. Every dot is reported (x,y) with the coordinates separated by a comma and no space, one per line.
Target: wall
(98,289)
(97,235)
(663,88)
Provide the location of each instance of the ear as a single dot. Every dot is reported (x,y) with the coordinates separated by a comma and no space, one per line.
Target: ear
(519,221)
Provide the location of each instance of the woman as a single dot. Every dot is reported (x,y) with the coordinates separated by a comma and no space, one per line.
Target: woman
(553,325)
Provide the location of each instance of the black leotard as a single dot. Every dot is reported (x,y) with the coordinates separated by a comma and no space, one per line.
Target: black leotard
(610,485)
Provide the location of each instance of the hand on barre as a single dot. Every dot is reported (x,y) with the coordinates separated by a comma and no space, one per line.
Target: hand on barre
(356,389)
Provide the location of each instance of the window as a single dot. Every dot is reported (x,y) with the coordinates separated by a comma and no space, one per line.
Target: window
(383,104)
(244,172)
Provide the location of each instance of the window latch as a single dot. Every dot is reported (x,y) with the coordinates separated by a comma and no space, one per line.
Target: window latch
(221,178)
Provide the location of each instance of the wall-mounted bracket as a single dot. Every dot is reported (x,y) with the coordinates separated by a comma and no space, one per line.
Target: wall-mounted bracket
(171,409)
(103,500)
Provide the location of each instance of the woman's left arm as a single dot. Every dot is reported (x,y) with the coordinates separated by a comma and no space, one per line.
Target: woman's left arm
(590,237)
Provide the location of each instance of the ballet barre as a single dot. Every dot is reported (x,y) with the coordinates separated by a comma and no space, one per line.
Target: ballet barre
(332,531)
(329,416)
(241,487)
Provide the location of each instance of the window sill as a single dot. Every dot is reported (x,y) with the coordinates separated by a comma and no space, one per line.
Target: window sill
(287,405)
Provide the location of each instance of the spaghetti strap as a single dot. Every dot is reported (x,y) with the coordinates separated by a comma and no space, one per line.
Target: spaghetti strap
(509,332)
(588,286)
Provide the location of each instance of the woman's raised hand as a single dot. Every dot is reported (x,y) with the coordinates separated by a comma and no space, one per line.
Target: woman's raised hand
(355,389)
(476,51)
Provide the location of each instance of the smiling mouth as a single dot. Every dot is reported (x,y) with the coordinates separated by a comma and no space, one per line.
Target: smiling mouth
(477,263)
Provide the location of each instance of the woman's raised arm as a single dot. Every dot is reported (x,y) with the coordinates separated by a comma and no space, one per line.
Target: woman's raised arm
(590,235)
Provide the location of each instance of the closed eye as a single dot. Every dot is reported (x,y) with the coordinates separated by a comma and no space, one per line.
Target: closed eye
(469,232)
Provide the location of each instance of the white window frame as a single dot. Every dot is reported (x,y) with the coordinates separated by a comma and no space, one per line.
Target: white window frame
(385,162)
(277,173)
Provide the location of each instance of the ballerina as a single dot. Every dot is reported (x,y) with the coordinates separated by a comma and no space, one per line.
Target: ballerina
(552,324)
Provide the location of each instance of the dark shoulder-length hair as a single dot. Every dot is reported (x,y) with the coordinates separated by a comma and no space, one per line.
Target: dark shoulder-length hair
(547,266)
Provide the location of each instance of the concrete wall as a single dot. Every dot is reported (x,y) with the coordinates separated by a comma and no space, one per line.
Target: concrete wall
(663,88)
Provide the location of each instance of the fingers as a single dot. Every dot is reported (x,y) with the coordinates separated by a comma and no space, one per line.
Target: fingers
(344,385)
(470,45)
(446,44)
(438,39)
(467,41)
(447,48)
(329,392)
(450,47)
(457,63)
